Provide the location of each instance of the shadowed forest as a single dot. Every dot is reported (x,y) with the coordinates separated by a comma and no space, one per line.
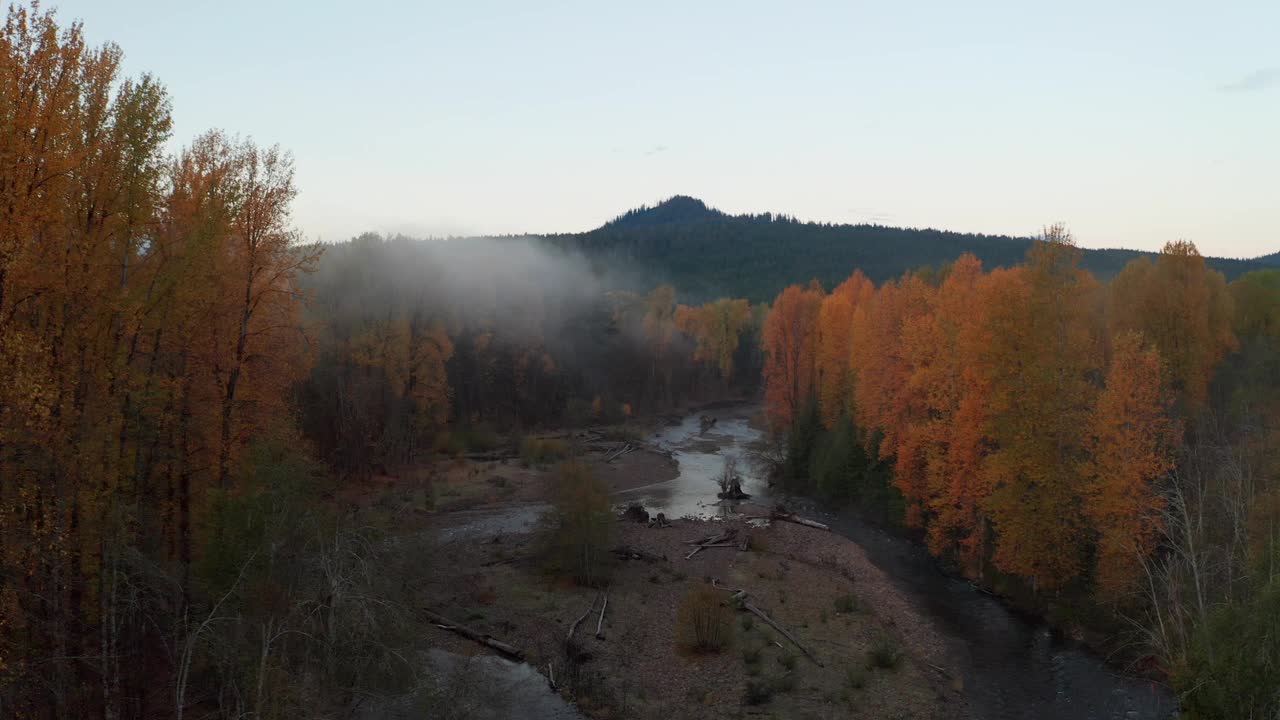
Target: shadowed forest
(194,399)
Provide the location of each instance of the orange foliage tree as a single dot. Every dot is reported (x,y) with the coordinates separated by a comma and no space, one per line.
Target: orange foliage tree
(835,338)
(1130,443)
(789,338)
(149,326)
(884,396)
(1183,308)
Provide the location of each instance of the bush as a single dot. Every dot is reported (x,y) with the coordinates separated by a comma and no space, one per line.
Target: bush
(747,623)
(1232,668)
(478,437)
(758,692)
(703,620)
(783,683)
(856,677)
(581,526)
(787,660)
(751,655)
(539,451)
(846,604)
(884,653)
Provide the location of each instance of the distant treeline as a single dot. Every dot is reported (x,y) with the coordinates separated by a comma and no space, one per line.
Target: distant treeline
(706,254)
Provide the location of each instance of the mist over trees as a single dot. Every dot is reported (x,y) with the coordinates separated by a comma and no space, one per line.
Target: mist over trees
(188,391)
(417,336)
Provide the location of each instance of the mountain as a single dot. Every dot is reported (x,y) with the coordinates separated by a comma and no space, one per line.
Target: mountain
(707,253)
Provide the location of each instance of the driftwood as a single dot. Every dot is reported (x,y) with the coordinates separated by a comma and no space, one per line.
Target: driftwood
(744,542)
(741,596)
(493,455)
(569,638)
(482,638)
(713,541)
(626,552)
(619,452)
(551,676)
(600,622)
(502,561)
(791,518)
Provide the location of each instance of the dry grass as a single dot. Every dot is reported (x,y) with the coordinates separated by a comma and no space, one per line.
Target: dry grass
(703,620)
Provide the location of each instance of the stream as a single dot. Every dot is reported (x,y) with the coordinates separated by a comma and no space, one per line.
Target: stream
(1013,667)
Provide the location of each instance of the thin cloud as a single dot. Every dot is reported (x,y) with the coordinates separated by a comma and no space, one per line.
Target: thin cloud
(1255,81)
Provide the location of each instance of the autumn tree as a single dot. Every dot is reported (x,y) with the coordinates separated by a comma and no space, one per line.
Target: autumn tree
(1130,444)
(789,338)
(1042,352)
(884,398)
(835,337)
(716,328)
(1183,308)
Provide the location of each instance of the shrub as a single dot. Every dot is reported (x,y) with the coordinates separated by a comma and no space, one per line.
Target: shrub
(703,620)
(856,677)
(747,623)
(783,683)
(884,653)
(539,451)
(847,604)
(1232,667)
(787,660)
(758,692)
(581,526)
(751,655)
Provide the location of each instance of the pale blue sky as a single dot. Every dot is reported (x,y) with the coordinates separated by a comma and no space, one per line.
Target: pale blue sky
(1133,122)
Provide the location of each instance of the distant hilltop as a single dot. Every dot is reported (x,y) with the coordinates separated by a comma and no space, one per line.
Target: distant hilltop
(707,253)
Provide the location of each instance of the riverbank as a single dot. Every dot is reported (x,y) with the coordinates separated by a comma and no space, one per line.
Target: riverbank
(813,583)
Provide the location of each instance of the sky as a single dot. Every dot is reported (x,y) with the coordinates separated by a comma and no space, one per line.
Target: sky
(1134,123)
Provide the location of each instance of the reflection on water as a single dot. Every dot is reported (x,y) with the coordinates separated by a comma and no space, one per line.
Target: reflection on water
(701,456)
(481,687)
(508,520)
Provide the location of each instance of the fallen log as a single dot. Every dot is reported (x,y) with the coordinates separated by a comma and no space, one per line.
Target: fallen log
(791,518)
(746,604)
(714,538)
(626,552)
(482,638)
(600,622)
(569,638)
(744,542)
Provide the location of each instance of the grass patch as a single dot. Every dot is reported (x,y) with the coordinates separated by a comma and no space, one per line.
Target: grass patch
(846,604)
(703,623)
(884,653)
(787,660)
(783,683)
(758,692)
(540,451)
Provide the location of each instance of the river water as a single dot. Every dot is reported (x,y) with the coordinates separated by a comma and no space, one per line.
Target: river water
(1013,667)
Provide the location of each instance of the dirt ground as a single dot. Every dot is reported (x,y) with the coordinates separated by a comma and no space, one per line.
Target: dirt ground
(819,586)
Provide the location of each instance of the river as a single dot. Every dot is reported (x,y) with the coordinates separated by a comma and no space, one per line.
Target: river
(1013,667)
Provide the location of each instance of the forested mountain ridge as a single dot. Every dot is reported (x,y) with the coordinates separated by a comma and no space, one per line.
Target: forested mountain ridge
(706,253)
